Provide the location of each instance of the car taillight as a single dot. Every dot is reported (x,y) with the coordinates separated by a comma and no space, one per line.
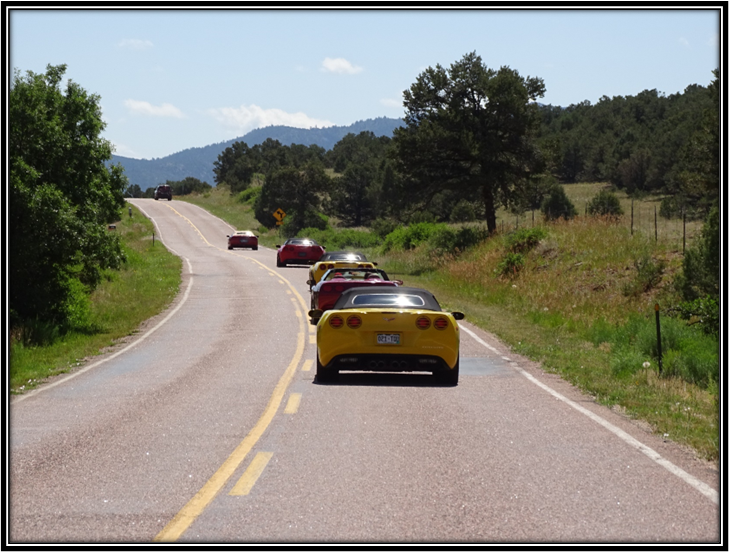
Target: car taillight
(440,323)
(423,323)
(354,321)
(339,288)
(336,322)
(326,288)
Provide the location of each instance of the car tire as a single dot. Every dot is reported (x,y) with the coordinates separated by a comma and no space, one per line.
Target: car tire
(255,248)
(278,261)
(229,247)
(450,377)
(156,198)
(323,374)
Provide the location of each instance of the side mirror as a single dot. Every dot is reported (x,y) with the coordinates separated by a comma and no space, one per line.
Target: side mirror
(277,246)
(315,313)
(227,235)
(310,283)
(398,282)
(374,263)
(458,315)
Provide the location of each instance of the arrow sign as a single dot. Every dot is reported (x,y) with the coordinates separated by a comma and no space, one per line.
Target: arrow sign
(279,214)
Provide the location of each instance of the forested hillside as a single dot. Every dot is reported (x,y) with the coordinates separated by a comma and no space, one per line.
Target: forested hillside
(198,162)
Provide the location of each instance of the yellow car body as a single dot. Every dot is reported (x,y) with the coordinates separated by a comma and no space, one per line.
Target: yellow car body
(319,269)
(399,337)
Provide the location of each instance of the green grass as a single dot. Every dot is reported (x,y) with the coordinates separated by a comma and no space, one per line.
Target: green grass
(144,287)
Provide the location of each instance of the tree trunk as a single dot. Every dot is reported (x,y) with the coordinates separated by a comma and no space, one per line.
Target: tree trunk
(488,202)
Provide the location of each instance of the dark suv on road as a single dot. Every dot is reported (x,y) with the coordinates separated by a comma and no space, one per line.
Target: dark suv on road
(163,192)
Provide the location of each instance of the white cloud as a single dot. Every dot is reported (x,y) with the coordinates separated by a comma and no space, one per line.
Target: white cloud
(246,118)
(339,65)
(389,102)
(683,41)
(135,44)
(146,108)
(124,151)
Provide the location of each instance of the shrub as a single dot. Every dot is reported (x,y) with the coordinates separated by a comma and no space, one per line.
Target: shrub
(249,196)
(463,211)
(382,227)
(701,264)
(648,275)
(409,237)
(525,239)
(605,203)
(703,311)
(511,264)
(443,238)
(557,205)
(294,222)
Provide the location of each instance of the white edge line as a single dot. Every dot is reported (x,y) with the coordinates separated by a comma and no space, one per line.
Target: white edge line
(697,484)
(125,349)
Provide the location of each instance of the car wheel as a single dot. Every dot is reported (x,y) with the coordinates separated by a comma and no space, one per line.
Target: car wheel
(449,377)
(229,247)
(278,261)
(156,198)
(255,248)
(323,374)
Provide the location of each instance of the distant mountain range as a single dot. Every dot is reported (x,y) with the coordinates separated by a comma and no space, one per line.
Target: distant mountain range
(198,162)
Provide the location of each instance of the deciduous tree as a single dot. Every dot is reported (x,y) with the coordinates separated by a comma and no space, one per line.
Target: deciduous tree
(62,196)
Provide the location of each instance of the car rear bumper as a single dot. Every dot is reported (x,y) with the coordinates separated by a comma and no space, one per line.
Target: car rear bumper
(388,363)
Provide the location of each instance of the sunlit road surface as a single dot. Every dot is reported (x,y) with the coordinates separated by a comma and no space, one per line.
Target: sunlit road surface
(208,426)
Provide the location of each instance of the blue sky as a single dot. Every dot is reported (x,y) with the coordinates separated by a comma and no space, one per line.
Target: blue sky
(171,80)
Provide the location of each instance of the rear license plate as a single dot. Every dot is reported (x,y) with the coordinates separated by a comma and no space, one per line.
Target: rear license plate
(388,339)
(302,254)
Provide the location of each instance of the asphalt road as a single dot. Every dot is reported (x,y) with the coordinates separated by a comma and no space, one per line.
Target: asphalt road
(208,426)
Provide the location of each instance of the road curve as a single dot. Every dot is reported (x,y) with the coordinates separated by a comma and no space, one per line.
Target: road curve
(211,428)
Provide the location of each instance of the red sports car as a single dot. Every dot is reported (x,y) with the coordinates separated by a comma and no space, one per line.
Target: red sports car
(243,238)
(298,251)
(335,281)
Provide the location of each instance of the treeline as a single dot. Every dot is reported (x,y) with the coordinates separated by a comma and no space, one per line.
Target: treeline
(188,185)
(648,143)
(644,144)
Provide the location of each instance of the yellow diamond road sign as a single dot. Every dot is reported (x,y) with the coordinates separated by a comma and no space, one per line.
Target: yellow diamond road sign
(279,214)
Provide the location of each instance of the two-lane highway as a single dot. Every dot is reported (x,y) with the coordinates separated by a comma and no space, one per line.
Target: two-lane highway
(211,428)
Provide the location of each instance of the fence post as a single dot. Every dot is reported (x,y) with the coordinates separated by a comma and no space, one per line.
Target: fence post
(683,215)
(655,220)
(658,334)
(631,216)
(152,239)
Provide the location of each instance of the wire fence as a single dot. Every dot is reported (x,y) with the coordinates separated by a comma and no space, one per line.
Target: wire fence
(677,234)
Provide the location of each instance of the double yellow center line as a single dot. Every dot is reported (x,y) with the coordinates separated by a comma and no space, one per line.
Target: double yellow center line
(185,517)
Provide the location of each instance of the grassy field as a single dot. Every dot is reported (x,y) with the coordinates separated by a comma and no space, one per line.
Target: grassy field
(145,286)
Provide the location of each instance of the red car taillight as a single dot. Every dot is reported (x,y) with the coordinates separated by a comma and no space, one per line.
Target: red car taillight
(336,322)
(354,321)
(440,323)
(423,323)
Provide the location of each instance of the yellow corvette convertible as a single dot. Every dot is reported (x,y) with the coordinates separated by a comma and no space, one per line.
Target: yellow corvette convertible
(337,259)
(387,329)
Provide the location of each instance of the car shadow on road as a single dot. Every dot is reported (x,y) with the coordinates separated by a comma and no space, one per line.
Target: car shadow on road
(384,379)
